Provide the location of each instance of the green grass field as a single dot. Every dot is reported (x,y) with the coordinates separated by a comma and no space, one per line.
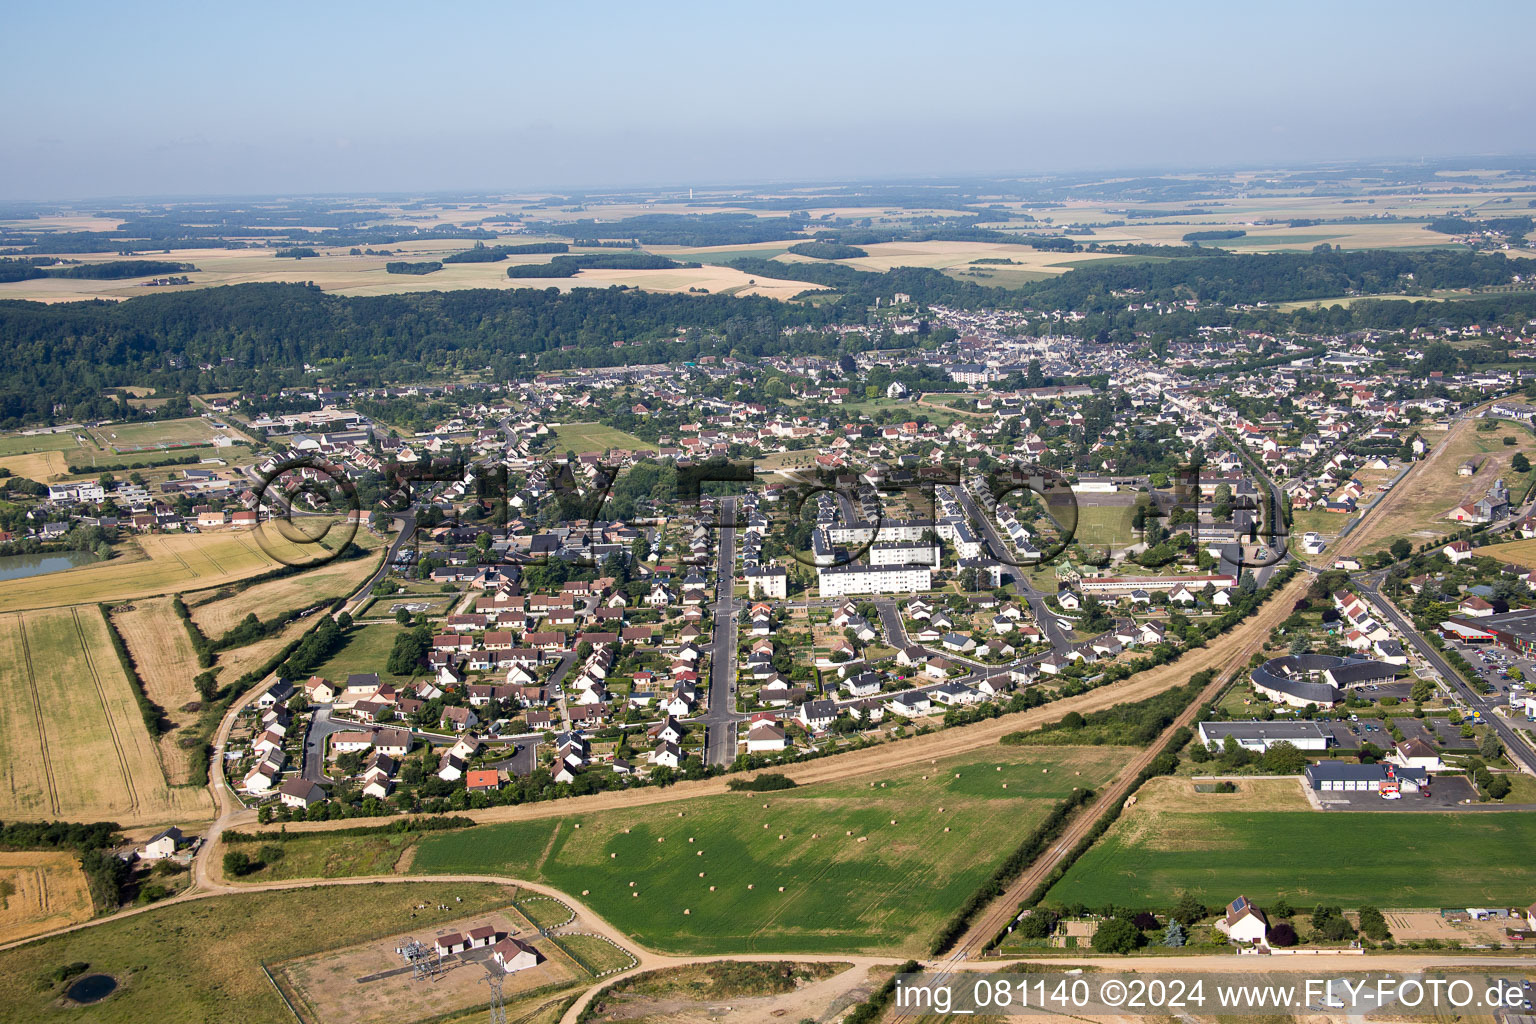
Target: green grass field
(199,962)
(1105,525)
(25,444)
(887,894)
(366,649)
(593,437)
(1383,859)
(124,436)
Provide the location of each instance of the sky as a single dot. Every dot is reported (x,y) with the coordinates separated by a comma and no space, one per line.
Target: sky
(282,98)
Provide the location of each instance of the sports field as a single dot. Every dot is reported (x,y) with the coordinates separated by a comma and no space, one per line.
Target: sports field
(40,890)
(593,437)
(73,745)
(162,564)
(198,962)
(840,867)
(1157,851)
(1104,525)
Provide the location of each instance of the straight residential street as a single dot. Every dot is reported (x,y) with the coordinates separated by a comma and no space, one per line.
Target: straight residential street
(721,715)
(1370,588)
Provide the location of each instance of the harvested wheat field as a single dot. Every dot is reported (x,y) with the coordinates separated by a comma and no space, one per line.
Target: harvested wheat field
(73,745)
(162,652)
(39,466)
(160,564)
(216,612)
(40,890)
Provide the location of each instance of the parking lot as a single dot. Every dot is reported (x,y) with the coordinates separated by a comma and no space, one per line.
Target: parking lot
(1446,793)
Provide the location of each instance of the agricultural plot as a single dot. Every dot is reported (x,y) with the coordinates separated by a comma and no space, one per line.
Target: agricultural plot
(1417,507)
(40,890)
(39,466)
(851,866)
(162,651)
(161,564)
(73,746)
(1217,846)
(197,962)
(216,614)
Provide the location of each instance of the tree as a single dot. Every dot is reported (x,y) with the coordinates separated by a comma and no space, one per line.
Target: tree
(1422,691)
(1401,549)
(1373,924)
(1173,935)
(1282,934)
(1283,758)
(1039,923)
(1117,935)
(344,620)
(1188,910)
(236,863)
(1489,746)
(1520,464)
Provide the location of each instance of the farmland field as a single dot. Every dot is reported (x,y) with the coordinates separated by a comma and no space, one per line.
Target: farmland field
(160,564)
(199,962)
(888,893)
(45,890)
(1416,508)
(162,652)
(216,615)
(592,437)
(73,746)
(1159,850)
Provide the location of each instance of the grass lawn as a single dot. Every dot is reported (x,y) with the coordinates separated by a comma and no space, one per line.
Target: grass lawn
(597,955)
(366,649)
(1105,525)
(24,444)
(199,962)
(592,437)
(886,894)
(127,437)
(1384,859)
(341,857)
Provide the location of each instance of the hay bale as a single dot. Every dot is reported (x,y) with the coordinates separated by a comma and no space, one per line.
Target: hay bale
(863,839)
(750,885)
(584,892)
(631,885)
(690,839)
(711,888)
(613,856)
(686,911)
(946,828)
(781,888)
(781,835)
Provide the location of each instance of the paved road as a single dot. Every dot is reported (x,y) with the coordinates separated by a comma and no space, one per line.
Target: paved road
(721,716)
(1048,621)
(557,682)
(1370,587)
(321,726)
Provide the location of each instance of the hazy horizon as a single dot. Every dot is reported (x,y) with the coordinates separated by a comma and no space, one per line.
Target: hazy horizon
(181,100)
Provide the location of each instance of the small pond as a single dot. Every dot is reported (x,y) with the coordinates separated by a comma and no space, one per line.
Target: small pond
(92,988)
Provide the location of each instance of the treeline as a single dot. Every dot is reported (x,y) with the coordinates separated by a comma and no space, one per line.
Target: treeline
(1133,724)
(1214,236)
(568,266)
(1513,226)
(70,353)
(152,714)
(111,270)
(482,253)
(403,267)
(1275,277)
(827,250)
